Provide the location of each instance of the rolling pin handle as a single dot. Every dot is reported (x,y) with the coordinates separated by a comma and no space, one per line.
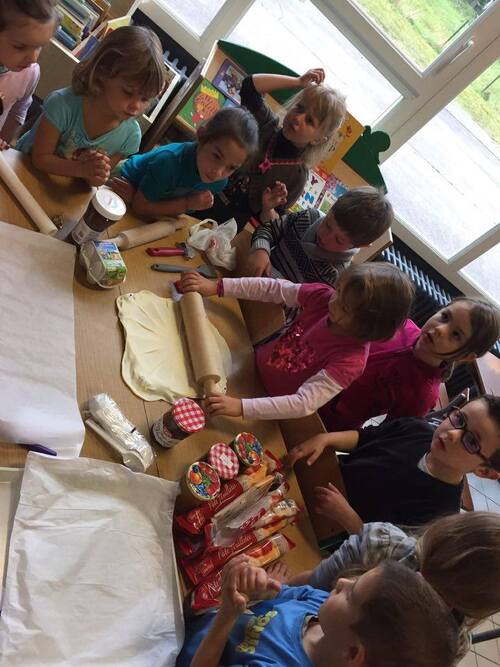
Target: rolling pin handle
(209,386)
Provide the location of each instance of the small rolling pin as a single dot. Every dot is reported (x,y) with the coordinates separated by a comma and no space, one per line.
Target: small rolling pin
(148,233)
(200,341)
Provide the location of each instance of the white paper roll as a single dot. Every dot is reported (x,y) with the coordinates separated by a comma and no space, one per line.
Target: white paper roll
(27,201)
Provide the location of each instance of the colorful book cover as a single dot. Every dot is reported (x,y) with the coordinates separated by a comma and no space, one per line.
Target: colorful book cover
(334,188)
(349,132)
(202,105)
(229,79)
(312,191)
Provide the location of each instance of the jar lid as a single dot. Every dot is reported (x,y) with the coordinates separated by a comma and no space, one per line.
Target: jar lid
(248,449)
(224,460)
(202,480)
(188,415)
(109,204)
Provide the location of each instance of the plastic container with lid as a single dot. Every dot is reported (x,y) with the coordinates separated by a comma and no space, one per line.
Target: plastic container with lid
(185,417)
(104,209)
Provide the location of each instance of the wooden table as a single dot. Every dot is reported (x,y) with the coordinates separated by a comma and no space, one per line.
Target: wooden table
(99,347)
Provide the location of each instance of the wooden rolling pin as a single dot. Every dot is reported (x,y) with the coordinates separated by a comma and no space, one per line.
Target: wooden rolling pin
(148,233)
(200,341)
(26,199)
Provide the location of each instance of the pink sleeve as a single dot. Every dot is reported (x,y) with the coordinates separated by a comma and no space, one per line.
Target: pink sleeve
(315,294)
(315,392)
(262,289)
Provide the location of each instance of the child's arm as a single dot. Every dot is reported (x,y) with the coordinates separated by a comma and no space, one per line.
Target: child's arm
(255,289)
(342,441)
(264,239)
(93,167)
(266,83)
(332,504)
(10,130)
(196,201)
(310,396)
(241,583)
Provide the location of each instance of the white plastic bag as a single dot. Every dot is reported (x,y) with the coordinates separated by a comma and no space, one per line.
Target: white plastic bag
(215,241)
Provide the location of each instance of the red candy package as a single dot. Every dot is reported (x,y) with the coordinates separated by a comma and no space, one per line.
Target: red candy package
(189,546)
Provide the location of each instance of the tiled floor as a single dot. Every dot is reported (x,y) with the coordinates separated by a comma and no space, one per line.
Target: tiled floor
(485,496)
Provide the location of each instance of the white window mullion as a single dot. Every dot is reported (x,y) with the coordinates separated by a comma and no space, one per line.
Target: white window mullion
(231,12)
(478,247)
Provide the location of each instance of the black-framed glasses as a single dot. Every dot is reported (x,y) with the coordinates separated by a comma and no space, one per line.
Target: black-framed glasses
(469,441)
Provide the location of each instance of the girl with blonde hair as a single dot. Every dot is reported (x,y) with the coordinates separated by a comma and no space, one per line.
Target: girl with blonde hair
(86,129)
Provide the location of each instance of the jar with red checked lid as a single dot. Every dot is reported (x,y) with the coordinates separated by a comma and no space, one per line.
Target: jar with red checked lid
(224,460)
(185,418)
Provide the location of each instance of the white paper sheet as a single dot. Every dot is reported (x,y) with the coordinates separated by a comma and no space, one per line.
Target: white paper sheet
(90,578)
(37,342)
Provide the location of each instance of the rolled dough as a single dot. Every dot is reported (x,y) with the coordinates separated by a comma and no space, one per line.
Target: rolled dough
(156,364)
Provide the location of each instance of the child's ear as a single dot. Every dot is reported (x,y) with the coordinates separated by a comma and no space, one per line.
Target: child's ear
(486,472)
(355,656)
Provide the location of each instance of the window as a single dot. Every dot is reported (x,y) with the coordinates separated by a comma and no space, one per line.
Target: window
(195,15)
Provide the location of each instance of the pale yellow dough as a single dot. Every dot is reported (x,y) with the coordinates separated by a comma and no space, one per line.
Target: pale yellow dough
(156,363)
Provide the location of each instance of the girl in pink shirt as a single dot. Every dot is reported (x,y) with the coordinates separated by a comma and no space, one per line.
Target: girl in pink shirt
(326,347)
(25,26)
(402,375)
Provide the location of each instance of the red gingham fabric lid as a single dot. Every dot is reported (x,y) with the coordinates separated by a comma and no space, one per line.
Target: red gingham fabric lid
(188,415)
(224,460)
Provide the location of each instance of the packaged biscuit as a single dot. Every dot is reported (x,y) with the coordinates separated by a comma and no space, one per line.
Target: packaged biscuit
(207,594)
(280,510)
(242,514)
(199,569)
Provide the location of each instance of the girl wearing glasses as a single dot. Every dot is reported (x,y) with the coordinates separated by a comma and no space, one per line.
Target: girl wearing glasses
(402,375)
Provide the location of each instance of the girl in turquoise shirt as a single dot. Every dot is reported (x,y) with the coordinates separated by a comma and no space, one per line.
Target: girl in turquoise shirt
(86,129)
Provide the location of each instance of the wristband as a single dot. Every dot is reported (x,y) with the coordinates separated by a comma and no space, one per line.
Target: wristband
(220,287)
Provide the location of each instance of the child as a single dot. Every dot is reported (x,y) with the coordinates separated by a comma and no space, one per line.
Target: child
(308,247)
(408,471)
(402,375)
(459,555)
(86,129)
(276,177)
(325,348)
(177,178)
(25,27)
(385,618)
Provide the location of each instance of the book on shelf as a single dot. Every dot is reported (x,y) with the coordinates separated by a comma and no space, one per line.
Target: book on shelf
(204,103)
(229,79)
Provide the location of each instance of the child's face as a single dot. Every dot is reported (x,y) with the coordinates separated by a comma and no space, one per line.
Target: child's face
(447,446)
(342,610)
(340,313)
(219,158)
(302,127)
(330,237)
(446,331)
(22,41)
(123,99)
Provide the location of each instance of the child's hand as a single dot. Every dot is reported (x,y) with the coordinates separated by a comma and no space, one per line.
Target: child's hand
(124,188)
(242,582)
(199,201)
(312,76)
(258,264)
(275,196)
(194,282)
(279,572)
(4,145)
(310,449)
(332,504)
(96,167)
(217,405)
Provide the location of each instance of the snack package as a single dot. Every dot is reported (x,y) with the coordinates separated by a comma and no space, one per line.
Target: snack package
(286,508)
(193,521)
(199,569)
(241,515)
(189,546)
(207,594)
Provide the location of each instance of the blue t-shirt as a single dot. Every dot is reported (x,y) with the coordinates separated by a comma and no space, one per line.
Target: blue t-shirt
(168,172)
(269,633)
(64,110)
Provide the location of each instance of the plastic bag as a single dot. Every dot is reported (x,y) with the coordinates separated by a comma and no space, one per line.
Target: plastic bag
(215,242)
